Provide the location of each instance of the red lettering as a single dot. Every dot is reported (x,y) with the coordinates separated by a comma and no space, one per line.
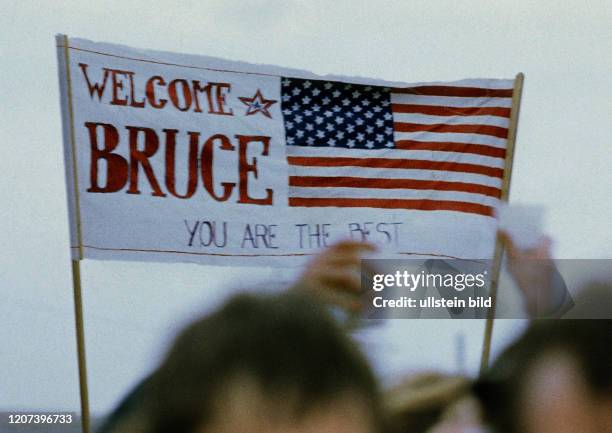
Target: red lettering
(192,182)
(141,157)
(181,93)
(172,92)
(143,144)
(116,165)
(216,102)
(244,168)
(150,91)
(221,91)
(97,87)
(197,89)
(134,102)
(117,86)
(206,160)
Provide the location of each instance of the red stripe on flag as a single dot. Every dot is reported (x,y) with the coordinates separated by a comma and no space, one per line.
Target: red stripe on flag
(448,146)
(365,182)
(495,131)
(414,164)
(428,205)
(470,92)
(435,110)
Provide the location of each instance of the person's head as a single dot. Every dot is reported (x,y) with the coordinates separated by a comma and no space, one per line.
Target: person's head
(557,378)
(263,364)
(560,394)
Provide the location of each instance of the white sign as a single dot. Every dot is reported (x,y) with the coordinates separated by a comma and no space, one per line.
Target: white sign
(173,157)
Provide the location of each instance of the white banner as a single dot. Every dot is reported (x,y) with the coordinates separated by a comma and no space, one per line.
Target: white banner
(173,157)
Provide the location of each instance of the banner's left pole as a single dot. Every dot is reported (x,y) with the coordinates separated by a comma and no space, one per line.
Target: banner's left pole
(72,184)
(80,340)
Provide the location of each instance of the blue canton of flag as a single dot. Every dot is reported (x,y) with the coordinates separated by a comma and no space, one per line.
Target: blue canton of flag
(333,114)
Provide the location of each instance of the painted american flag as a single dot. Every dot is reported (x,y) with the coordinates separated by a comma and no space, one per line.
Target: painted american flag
(434,147)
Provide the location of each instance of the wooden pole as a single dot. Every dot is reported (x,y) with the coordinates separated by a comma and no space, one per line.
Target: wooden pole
(76,266)
(499,246)
(80,339)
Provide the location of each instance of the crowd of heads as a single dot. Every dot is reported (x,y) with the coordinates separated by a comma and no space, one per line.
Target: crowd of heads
(282,364)
(557,378)
(260,364)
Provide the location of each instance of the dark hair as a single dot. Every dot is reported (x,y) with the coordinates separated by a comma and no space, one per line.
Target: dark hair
(587,342)
(286,343)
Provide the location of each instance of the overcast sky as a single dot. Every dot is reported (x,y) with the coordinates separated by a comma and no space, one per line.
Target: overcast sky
(563,160)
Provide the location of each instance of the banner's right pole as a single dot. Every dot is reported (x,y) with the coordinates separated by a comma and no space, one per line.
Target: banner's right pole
(499,246)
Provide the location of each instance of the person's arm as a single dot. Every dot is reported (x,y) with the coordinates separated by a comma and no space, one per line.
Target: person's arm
(538,278)
(334,275)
